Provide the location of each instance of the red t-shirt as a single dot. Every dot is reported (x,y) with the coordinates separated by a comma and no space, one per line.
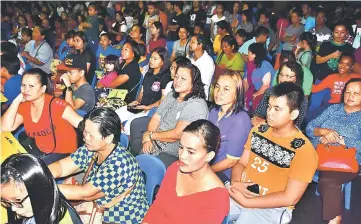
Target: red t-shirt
(335,83)
(161,42)
(66,138)
(207,207)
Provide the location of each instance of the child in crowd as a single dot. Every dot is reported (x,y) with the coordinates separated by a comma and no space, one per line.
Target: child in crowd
(111,68)
(150,18)
(241,37)
(105,47)
(129,19)
(119,28)
(26,35)
(305,49)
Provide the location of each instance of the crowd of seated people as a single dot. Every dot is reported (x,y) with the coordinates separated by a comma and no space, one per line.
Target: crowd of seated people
(232,98)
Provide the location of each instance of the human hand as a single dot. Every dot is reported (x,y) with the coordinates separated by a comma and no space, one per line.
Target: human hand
(25,54)
(242,188)
(65,78)
(134,103)
(238,196)
(298,45)
(146,137)
(336,54)
(257,121)
(330,136)
(20,98)
(142,107)
(147,147)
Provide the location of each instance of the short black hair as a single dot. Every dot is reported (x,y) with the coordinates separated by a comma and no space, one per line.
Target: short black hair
(8,48)
(231,41)
(179,4)
(70,34)
(294,67)
(348,55)
(262,31)
(26,31)
(293,93)
(11,63)
(108,121)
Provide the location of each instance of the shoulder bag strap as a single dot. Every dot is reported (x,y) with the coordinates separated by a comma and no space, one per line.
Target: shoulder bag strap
(220,58)
(52,126)
(90,167)
(185,48)
(37,51)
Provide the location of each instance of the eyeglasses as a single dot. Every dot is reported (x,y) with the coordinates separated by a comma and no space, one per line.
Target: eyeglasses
(17,204)
(287,76)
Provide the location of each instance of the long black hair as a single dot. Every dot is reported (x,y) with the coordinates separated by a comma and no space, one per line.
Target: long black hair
(260,52)
(83,37)
(197,84)
(163,54)
(48,204)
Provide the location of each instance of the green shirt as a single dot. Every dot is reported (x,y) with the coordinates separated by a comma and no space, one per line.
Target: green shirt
(235,64)
(307,80)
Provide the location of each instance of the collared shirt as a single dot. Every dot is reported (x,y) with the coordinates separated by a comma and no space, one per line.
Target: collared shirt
(206,66)
(335,117)
(43,53)
(234,130)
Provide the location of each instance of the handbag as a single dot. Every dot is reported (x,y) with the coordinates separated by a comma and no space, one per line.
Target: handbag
(336,158)
(89,211)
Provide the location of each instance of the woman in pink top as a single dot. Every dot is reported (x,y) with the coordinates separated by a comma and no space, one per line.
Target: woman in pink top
(111,71)
(191,192)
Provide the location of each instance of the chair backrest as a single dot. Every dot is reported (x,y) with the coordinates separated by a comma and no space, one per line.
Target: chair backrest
(124,140)
(81,112)
(94,81)
(154,170)
(139,85)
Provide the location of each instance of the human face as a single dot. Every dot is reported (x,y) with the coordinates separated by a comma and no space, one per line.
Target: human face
(14,194)
(251,56)
(236,7)
(221,31)
(193,44)
(104,41)
(127,52)
(78,43)
(21,21)
(135,33)
(352,97)
(169,7)
(245,6)
(196,4)
(45,23)
(240,40)
(320,18)
(25,38)
(262,38)
(183,34)
(295,18)
(94,141)
(286,75)
(91,11)
(151,9)
(173,69)
(37,35)
(345,65)
(197,30)
(339,34)
(244,18)
(109,67)
(118,17)
(263,19)
(192,153)
(183,81)
(225,91)
(31,87)
(226,48)
(42,16)
(153,30)
(70,42)
(278,112)
(219,9)
(64,16)
(305,9)
(155,61)
(75,75)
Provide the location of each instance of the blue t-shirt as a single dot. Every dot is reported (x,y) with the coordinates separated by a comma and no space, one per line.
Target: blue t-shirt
(234,130)
(12,88)
(108,51)
(259,73)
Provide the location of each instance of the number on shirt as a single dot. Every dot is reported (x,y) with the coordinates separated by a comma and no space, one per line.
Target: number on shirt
(259,165)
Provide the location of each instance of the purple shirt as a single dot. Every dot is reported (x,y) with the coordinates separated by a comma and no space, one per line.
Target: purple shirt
(234,133)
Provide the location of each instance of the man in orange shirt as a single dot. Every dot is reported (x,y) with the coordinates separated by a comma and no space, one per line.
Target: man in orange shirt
(271,175)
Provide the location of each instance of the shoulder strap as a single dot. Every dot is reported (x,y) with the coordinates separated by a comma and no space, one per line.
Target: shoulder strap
(37,51)
(220,58)
(52,125)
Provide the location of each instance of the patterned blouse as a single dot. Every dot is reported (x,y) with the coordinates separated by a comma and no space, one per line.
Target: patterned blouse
(346,125)
(114,176)
(261,110)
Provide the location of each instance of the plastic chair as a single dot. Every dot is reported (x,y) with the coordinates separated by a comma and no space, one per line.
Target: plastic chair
(226,220)
(154,170)
(345,187)
(18,131)
(124,140)
(81,112)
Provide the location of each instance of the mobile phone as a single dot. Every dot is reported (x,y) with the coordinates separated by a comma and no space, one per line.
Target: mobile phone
(254,188)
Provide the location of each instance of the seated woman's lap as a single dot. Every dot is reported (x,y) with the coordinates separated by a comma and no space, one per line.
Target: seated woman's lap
(137,128)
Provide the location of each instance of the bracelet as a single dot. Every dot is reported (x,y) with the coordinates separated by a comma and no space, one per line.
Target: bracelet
(150,135)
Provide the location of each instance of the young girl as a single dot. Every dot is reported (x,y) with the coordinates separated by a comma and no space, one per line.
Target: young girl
(305,48)
(119,28)
(111,68)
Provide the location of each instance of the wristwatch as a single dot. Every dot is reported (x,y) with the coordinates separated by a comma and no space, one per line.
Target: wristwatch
(150,135)
(69,88)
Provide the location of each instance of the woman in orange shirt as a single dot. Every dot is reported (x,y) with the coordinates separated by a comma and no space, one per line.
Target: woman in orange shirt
(48,121)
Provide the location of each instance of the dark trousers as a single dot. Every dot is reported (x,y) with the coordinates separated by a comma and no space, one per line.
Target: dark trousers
(137,128)
(30,146)
(329,186)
